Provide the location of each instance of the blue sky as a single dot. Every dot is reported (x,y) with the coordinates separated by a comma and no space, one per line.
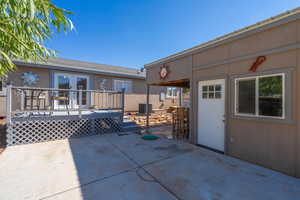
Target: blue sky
(132,33)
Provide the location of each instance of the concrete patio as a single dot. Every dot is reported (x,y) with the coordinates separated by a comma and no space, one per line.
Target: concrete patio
(127,167)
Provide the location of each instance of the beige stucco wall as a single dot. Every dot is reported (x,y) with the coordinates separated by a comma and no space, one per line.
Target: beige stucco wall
(15,79)
(132,102)
(273,144)
(44,76)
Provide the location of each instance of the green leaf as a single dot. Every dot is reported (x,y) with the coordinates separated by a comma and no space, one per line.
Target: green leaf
(32,9)
(25,26)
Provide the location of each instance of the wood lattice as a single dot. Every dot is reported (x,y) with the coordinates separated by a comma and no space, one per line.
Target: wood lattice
(33,130)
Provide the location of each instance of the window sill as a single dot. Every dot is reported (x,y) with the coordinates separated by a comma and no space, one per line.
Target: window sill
(263,119)
(168,97)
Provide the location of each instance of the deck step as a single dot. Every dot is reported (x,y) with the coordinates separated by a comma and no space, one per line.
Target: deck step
(133,128)
(130,126)
(128,123)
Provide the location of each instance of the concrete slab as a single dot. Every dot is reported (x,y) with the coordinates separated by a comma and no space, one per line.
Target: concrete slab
(111,167)
(207,175)
(146,152)
(124,186)
(37,170)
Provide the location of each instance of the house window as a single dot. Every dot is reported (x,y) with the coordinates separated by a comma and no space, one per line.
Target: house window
(261,96)
(123,84)
(171,92)
(212,91)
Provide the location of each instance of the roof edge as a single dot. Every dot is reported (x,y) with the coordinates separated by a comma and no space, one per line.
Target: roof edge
(266,24)
(78,69)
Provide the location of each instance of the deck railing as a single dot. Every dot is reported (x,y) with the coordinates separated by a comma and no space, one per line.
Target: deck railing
(30,101)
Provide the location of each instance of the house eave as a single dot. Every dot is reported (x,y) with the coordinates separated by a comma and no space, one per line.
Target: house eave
(80,70)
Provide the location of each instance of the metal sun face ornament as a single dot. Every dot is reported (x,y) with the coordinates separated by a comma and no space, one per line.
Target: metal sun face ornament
(30,78)
(164,71)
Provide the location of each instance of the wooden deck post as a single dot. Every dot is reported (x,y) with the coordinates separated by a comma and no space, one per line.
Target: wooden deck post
(180,97)
(123,103)
(147,106)
(8,103)
(80,101)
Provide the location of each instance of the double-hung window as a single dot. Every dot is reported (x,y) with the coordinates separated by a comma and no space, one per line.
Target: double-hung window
(123,84)
(171,92)
(260,96)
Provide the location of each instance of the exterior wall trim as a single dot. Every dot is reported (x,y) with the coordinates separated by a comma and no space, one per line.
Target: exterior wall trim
(218,42)
(246,57)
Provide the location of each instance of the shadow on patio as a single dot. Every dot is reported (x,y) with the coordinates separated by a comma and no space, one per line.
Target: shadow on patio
(105,171)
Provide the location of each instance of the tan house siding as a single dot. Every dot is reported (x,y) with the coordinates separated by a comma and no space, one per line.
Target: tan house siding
(270,143)
(297,109)
(273,145)
(15,78)
(269,39)
(178,70)
(44,76)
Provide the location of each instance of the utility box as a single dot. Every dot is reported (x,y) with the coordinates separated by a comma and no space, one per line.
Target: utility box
(142,108)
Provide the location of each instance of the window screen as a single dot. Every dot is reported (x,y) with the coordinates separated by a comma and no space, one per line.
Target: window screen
(123,84)
(246,96)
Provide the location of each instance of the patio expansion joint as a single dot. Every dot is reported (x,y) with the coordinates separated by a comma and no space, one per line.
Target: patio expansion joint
(88,183)
(136,169)
(141,166)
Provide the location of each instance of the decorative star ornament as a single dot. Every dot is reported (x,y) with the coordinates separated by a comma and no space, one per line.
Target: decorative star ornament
(30,78)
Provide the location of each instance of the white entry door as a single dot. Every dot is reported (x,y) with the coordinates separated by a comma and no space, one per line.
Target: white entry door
(211,114)
(70,81)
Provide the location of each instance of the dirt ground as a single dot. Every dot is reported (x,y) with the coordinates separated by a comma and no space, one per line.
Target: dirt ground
(163,130)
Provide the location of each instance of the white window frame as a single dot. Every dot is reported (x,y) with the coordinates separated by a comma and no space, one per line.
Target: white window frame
(123,81)
(73,78)
(256,78)
(174,92)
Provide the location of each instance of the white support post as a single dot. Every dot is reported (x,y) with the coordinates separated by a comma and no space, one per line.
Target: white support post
(147,106)
(80,101)
(123,103)
(8,103)
(22,99)
(180,97)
